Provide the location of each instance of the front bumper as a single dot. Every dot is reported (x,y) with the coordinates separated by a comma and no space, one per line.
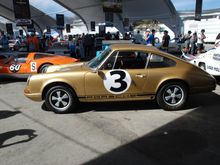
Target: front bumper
(32,96)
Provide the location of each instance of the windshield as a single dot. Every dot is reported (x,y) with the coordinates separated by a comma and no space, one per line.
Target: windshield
(95,62)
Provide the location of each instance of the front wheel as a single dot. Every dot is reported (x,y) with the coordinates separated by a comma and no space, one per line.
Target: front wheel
(172,96)
(60,99)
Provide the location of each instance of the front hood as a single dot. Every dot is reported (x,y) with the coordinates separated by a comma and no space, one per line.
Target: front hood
(66,67)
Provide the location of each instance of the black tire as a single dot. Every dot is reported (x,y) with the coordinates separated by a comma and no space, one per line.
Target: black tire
(202,66)
(172,96)
(43,68)
(61,99)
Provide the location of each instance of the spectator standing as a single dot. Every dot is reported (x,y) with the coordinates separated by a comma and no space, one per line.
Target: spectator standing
(138,39)
(82,47)
(186,39)
(200,42)
(72,46)
(150,40)
(193,41)
(165,41)
(147,34)
(117,36)
(217,41)
(33,43)
(4,41)
(108,36)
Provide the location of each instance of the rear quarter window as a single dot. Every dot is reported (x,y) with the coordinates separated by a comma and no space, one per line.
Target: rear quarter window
(158,61)
(39,56)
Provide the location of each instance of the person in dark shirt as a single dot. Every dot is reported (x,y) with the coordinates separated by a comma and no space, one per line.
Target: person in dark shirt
(165,41)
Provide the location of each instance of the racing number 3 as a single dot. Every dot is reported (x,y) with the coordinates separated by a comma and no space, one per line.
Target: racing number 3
(117,81)
(120,80)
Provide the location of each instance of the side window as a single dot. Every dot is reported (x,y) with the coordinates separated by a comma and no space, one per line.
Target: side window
(38,56)
(157,61)
(131,60)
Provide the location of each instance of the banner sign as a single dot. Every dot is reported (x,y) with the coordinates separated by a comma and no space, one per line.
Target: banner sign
(22,12)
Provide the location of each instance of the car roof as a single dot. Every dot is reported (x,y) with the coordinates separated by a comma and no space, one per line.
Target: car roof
(133,47)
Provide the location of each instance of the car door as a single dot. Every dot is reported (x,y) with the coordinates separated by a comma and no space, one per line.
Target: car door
(121,76)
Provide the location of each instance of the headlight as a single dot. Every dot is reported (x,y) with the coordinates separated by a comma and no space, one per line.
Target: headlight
(28,80)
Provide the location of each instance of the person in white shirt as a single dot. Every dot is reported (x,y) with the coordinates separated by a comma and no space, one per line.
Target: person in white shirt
(138,39)
(200,42)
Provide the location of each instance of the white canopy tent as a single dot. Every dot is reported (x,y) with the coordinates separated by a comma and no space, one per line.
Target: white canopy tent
(92,10)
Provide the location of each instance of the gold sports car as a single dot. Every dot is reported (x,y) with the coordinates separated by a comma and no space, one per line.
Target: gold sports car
(123,72)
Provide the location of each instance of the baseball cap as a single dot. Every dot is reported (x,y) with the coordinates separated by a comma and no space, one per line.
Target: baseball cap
(148,30)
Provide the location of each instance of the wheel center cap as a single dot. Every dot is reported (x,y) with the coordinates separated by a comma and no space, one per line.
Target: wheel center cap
(173,95)
(59,99)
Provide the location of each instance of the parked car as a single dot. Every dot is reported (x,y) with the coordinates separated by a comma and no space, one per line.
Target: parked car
(123,72)
(26,63)
(175,46)
(209,61)
(60,48)
(14,44)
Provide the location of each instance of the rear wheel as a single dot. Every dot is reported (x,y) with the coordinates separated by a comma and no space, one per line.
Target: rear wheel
(43,68)
(60,99)
(172,96)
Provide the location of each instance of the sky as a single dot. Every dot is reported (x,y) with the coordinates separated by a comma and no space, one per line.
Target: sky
(190,4)
(51,8)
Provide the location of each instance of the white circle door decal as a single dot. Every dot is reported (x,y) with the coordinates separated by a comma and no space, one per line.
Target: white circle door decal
(117,81)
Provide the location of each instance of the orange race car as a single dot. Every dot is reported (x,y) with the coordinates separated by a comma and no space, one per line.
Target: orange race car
(26,63)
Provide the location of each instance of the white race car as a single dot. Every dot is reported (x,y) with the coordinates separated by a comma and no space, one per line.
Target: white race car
(209,61)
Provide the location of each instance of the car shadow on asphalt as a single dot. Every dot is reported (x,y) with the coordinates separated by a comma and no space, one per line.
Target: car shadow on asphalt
(194,101)
(26,134)
(4,114)
(6,79)
(218,80)
(191,139)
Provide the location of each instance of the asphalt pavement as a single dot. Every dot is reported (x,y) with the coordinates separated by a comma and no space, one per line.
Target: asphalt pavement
(107,133)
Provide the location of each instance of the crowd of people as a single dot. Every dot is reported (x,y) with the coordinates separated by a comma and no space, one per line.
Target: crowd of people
(193,42)
(84,45)
(149,39)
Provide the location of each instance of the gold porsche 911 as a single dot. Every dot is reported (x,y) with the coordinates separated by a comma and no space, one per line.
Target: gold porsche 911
(123,72)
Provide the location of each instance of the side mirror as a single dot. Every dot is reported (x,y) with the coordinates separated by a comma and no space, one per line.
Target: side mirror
(101,74)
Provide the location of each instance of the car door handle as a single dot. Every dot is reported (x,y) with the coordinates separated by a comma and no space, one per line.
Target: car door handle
(140,75)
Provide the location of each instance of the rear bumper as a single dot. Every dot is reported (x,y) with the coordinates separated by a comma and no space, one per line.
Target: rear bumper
(203,89)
